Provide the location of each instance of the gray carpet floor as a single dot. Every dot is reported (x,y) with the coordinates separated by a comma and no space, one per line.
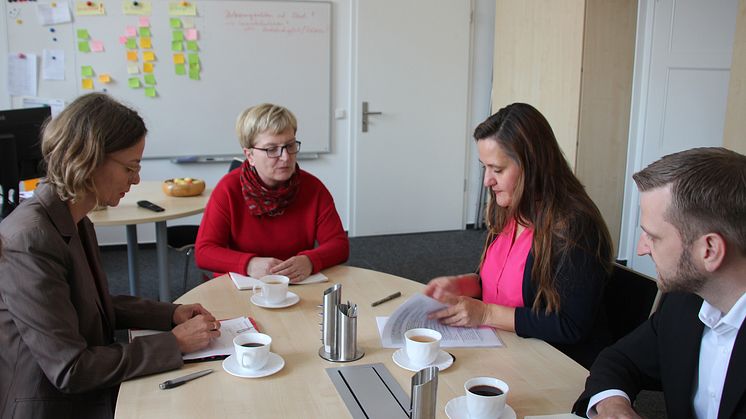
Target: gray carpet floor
(419,257)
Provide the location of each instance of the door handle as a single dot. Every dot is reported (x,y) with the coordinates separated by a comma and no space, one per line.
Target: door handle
(366,112)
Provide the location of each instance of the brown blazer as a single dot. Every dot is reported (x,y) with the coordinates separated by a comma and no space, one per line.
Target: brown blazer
(58,358)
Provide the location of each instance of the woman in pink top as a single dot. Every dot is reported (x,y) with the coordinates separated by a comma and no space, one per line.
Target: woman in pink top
(548,252)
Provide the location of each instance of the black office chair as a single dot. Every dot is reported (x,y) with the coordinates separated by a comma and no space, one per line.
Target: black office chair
(629,299)
(183,237)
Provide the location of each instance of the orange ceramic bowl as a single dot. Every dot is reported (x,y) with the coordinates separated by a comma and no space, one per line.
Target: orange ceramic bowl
(183,186)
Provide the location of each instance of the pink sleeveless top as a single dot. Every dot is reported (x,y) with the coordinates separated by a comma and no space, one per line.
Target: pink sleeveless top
(502,270)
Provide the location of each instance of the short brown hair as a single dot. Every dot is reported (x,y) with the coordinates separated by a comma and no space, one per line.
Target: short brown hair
(77,141)
(708,192)
(253,121)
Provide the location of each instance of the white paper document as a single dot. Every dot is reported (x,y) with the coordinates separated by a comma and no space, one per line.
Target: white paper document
(22,74)
(53,64)
(221,346)
(244,282)
(413,314)
(53,13)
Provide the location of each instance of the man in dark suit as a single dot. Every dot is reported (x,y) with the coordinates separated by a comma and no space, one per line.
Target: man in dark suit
(693,217)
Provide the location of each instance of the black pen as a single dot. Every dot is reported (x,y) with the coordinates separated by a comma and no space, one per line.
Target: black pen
(181,380)
(384,299)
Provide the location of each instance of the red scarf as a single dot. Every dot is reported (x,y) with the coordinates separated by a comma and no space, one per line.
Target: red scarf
(262,200)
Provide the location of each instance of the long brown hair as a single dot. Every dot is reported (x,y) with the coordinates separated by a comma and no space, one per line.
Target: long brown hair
(547,197)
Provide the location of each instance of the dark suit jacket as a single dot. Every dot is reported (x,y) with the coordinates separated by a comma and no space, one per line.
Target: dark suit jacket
(58,358)
(663,353)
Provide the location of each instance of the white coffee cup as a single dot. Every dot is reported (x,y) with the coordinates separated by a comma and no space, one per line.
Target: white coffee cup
(485,397)
(422,346)
(252,350)
(274,288)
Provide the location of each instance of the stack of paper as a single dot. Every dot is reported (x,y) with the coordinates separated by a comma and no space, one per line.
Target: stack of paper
(244,282)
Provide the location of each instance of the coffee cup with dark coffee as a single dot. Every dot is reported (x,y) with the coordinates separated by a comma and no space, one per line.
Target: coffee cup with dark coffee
(485,397)
(252,350)
(422,346)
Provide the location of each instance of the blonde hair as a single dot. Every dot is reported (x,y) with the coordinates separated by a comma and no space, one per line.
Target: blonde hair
(77,141)
(266,117)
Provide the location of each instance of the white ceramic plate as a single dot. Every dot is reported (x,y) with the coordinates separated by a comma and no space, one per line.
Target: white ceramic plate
(291,298)
(443,361)
(274,364)
(456,409)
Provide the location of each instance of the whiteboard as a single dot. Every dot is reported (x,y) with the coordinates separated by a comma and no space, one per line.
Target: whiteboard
(249,52)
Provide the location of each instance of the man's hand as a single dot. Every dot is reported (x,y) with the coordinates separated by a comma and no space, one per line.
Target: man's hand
(297,268)
(196,333)
(185,312)
(615,407)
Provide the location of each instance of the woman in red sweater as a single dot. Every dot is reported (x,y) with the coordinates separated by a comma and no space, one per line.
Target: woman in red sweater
(266,216)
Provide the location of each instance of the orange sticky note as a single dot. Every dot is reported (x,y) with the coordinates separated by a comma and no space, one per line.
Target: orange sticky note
(131,55)
(87,84)
(147,67)
(148,56)
(178,58)
(104,78)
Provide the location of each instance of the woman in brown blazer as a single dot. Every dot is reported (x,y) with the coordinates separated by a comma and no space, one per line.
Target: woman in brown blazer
(58,356)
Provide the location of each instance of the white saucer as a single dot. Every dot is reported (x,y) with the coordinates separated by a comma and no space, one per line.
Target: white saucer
(456,409)
(274,364)
(443,361)
(291,298)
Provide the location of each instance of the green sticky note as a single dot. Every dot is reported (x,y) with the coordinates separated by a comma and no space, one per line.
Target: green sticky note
(145,32)
(150,79)
(86,71)
(133,82)
(175,22)
(177,35)
(193,74)
(84,46)
(180,69)
(177,46)
(192,46)
(194,67)
(131,43)
(193,59)
(150,92)
(83,34)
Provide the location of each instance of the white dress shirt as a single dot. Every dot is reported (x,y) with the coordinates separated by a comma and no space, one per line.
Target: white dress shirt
(719,335)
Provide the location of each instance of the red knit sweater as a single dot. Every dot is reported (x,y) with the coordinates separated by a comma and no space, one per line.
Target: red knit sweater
(229,236)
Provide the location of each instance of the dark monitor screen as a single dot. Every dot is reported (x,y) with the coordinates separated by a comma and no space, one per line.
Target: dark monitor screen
(20,150)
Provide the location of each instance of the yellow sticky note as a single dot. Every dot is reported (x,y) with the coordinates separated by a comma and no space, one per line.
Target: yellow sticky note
(87,84)
(104,78)
(138,7)
(89,8)
(148,56)
(182,8)
(145,42)
(131,55)
(178,58)
(147,67)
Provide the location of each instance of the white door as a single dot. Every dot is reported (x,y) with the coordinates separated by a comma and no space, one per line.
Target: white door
(412,65)
(687,86)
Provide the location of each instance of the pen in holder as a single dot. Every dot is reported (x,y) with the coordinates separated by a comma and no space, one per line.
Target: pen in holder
(339,328)
(424,393)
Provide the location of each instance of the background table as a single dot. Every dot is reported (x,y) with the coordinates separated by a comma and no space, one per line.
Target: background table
(129,214)
(542,380)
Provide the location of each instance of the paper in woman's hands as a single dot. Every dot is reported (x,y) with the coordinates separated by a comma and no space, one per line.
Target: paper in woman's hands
(413,314)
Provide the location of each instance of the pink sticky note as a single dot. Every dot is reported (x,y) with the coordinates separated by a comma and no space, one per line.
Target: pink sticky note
(97,46)
(144,22)
(191,34)
(122,39)
(130,31)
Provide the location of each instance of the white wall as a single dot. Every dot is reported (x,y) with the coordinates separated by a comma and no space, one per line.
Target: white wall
(332,168)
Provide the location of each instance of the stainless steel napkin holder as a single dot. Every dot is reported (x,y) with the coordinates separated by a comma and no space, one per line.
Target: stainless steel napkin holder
(338,328)
(424,393)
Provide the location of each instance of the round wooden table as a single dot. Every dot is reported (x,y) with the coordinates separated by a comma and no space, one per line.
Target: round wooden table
(129,214)
(542,380)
